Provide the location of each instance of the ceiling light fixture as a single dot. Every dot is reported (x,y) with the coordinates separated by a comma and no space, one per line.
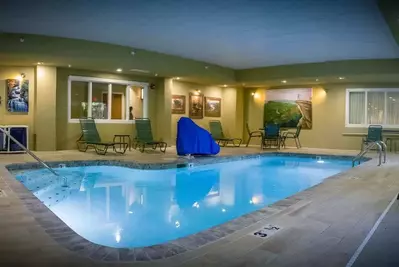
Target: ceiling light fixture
(156,74)
(341,78)
(317,80)
(40,63)
(119,70)
(284,81)
(132,53)
(206,67)
(177,78)
(69,66)
(225,85)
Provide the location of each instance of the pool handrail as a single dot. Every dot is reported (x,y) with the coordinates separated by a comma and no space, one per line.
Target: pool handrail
(381,147)
(30,153)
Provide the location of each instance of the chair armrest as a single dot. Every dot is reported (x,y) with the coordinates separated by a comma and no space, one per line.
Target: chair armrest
(286,134)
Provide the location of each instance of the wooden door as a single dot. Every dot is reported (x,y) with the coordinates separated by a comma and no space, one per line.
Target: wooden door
(116,112)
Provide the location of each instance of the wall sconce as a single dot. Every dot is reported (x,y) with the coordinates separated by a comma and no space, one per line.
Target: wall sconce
(197,92)
(23,75)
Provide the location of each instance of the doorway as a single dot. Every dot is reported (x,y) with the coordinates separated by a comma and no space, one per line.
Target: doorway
(116,106)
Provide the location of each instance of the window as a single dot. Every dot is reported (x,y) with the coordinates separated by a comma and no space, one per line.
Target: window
(106,100)
(372,106)
(79,99)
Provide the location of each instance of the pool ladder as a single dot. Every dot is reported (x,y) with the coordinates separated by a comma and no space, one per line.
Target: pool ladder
(381,148)
(34,156)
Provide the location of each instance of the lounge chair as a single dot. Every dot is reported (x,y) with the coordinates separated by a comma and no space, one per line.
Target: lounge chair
(220,138)
(252,133)
(144,136)
(91,138)
(292,135)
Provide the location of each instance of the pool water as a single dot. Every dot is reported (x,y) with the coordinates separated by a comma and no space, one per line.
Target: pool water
(123,207)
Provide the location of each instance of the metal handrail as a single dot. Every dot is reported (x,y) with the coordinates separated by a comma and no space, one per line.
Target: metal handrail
(31,154)
(382,148)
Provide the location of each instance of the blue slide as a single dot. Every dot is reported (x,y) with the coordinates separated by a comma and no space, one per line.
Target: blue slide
(194,140)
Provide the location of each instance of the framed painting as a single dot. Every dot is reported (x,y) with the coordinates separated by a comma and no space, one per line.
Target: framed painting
(289,108)
(196,106)
(178,104)
(17,95)
(213,106)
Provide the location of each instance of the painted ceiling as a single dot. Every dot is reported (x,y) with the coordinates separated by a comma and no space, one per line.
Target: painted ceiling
(238,34)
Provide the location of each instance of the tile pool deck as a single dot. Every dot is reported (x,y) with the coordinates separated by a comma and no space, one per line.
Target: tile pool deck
(322,226)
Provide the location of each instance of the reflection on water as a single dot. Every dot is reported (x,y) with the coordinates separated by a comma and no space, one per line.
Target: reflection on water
(123,207)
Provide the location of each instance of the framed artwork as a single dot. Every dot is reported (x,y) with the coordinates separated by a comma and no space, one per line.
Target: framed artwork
(213,106)
(289,107)
(196,106)
(178,104)
(17,95)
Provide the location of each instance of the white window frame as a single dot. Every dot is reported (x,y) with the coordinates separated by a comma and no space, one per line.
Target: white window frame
(91,80)
(366,90)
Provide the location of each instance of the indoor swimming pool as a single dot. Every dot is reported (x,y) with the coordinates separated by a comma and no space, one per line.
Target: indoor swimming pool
(124,208)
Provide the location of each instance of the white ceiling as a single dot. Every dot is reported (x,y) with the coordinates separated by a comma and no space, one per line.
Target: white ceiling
(233,33)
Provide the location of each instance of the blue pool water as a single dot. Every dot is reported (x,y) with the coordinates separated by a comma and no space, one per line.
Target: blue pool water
(122,207)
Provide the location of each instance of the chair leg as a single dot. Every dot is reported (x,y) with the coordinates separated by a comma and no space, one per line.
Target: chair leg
(249,140)
(299,142)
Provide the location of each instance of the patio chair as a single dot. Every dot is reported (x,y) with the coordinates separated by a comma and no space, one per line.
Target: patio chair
(292,135)
(374,134)
(91,138)
(220,138)
(145,138)
(271,136)
(252,134)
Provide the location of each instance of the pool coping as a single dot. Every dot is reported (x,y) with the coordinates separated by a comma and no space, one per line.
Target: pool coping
(66,237)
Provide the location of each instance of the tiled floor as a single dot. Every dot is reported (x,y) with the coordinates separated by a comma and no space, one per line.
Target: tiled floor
(322,226)
(383,247)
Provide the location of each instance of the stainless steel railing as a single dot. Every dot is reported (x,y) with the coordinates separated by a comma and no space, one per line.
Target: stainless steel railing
(381,148)
(33,155)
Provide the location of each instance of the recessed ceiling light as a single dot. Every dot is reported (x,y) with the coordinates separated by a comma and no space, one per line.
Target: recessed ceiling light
(206,67)
(132,53)
(284,81)
(156,74)
(119,70)
(225,85)
(69,66)
(341,78)
(177,78)
(40,63)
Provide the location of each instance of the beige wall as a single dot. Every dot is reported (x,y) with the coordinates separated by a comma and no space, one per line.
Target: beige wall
(68,133)
(45,111)
(18,118)
(328,117)
(231,113)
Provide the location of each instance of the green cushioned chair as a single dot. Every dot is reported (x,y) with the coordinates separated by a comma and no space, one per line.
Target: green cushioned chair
(145,138)
(91,138)
(217,134)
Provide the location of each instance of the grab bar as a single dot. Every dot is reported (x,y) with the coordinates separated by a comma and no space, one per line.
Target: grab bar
(32,155)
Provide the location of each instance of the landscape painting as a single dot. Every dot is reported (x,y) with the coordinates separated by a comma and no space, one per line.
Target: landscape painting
(289,108)
(178,104)
(212,107)
(17,95)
